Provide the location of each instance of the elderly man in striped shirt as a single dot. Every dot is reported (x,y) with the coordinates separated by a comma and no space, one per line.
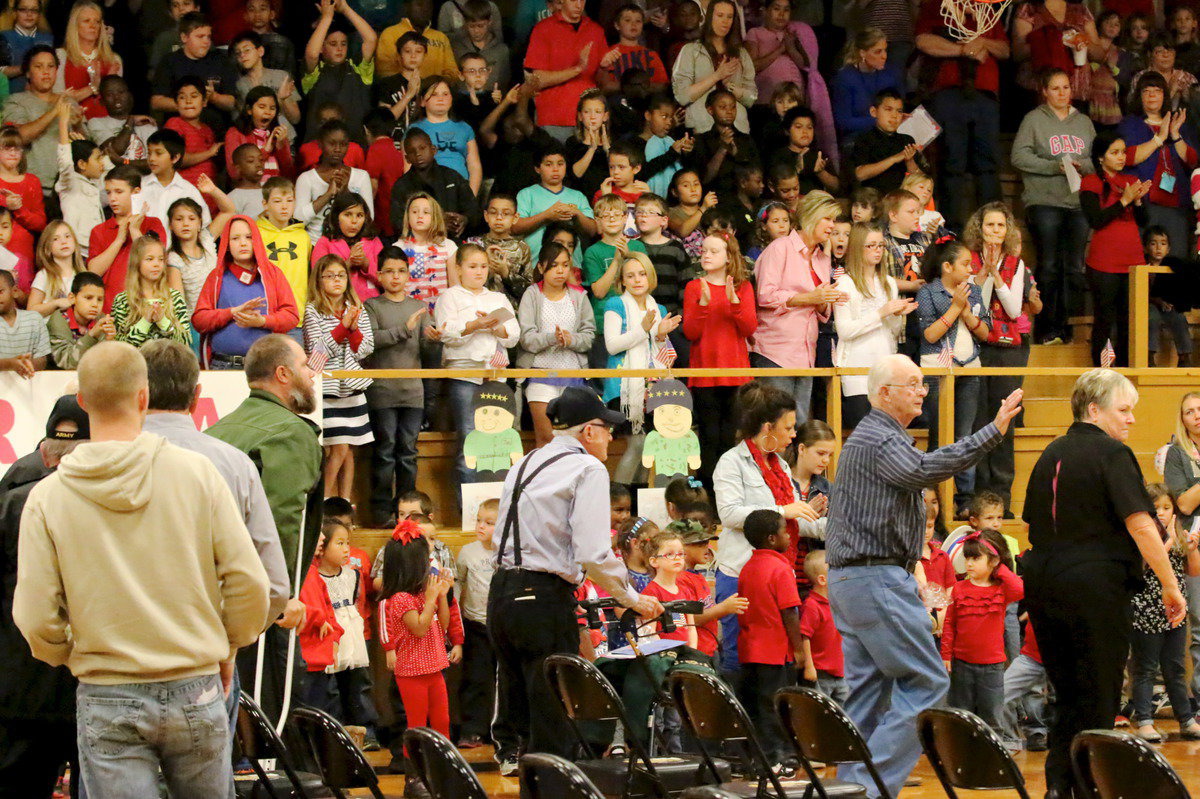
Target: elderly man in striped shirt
(876,529)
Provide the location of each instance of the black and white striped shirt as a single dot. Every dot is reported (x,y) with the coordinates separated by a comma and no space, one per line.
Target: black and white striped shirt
(876,509)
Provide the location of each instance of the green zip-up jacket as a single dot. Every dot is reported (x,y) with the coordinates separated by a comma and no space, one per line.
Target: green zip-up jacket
(286,450)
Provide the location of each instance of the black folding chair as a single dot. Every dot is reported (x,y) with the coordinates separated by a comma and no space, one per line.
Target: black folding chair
(965,753)
(707,792)
(256,741)
(820,730)
(552,777)
(441,766)
(341,763)
(714,717)
(1110,764)
(586,695)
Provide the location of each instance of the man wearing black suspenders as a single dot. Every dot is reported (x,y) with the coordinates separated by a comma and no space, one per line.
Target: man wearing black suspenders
(554,528)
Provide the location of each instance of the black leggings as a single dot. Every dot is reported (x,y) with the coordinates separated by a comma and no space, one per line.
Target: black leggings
(1110,314)
(716,426)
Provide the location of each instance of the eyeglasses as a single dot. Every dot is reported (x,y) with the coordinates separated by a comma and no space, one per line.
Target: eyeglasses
(612,215)
(919,387)
(671,555)
(648,213)
(605,427)
(873,245)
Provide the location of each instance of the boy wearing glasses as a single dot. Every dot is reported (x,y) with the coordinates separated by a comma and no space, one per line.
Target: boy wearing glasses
(671,263)
(509,257)
(602,263)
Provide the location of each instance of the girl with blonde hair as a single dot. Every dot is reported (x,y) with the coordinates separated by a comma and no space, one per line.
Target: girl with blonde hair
(149,308)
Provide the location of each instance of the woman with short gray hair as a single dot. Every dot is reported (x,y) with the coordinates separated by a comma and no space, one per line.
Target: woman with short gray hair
(1091,525)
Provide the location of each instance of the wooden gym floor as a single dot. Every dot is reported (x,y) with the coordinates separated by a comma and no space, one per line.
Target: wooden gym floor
(1181,754)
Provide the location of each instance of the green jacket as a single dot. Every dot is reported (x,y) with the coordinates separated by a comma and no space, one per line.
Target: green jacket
(286,449)
(65,346)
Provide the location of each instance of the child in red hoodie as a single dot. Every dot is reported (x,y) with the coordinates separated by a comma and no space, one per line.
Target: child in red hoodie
(244,298)
(973,632)
(333,639)
(416,614)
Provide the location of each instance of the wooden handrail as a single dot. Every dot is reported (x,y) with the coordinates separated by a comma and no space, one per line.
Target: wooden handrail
(1139,312)
(982,371)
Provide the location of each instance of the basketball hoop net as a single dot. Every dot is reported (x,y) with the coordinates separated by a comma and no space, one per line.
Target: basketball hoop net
(969,19)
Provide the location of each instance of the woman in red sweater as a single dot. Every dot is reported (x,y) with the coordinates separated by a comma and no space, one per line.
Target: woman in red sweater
(973,631)
(20,193)
(718,316)
(1112,203)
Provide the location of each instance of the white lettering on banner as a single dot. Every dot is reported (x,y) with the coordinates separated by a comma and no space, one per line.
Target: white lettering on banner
(25,405)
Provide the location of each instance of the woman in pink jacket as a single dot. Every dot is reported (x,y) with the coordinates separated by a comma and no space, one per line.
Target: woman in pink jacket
(795,293)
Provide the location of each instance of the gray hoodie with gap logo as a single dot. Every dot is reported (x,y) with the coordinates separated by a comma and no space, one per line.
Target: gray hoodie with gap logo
(1042,141)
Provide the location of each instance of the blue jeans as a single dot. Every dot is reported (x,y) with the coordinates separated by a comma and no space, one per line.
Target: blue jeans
(799,387)
(1152,651)
(1193,599)
(1060,236)
(970,141)
(394,457)
(966,405)
(978,688)
(723,588)
(833,687)
(128,733)
(1024,687)
(462,400)
(893,668)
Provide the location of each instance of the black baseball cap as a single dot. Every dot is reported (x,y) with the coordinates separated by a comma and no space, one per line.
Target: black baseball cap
(67,409)
(577,405)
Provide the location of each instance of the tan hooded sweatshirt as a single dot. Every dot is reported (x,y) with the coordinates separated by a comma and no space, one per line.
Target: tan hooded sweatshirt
(134,566)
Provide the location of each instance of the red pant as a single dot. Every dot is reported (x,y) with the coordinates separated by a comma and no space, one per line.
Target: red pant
(425,701)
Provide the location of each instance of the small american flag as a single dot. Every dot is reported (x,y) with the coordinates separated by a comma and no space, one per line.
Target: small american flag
(837,273)
(318,357)
(499,358)
(946,355)
(1107,355)
(665,355)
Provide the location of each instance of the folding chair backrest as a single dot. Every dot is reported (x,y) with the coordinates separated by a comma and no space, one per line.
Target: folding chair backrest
(966,753)
(707,792)
(341,763)
(258,740)
(585,693)
(1111,764)
(707,706)
(820,730)
(441,766)
(552,777)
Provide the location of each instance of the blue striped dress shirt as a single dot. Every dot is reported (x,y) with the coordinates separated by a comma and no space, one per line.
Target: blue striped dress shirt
(876,509)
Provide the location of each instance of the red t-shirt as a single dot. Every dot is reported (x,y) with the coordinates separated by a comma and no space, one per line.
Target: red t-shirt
(415,656)
(816,624)
(360,561)
(974,627)
(555,44)
(30,219)
(1030,647)
(103,235)
(196,138)
(938,568)
(385,163)
(75,76)
(769,582)
(689,585)
(1118,245)
(987,74)
(310,153)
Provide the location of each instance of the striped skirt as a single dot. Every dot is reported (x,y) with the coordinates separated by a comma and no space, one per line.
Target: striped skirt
(345,421)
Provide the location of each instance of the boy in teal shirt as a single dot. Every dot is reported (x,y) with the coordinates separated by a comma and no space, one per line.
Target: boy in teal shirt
(549,201)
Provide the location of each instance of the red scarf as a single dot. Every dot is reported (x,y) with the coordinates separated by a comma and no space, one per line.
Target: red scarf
(780,482)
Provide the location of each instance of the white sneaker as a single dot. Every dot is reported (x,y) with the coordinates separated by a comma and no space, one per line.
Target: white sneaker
(509,767)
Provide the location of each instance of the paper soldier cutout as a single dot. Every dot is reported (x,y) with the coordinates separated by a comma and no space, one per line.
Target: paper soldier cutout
(493,446)
(672,448)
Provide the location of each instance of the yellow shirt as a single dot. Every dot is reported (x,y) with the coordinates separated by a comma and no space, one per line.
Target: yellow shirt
(289,249)
(439,56)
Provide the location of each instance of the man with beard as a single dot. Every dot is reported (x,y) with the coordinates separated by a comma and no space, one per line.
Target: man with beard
(37,701)
(285,447)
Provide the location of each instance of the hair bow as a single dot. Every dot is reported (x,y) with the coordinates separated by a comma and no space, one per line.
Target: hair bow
(407,531)
(693,482)
(944,239)
(764,212)
(979,537)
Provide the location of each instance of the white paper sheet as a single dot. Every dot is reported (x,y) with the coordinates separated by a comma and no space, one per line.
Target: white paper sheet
(1073,178)
(921,126)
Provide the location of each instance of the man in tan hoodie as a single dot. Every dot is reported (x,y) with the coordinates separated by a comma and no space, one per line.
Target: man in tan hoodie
(136,571)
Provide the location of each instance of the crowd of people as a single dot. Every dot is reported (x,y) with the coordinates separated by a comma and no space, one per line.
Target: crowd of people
(557,185)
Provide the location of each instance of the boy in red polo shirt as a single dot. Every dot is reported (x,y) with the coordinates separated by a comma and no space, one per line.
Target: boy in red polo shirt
(769,637)
(823,661)
(110,241)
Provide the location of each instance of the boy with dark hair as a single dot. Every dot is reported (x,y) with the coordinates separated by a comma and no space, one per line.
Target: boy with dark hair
(167,39)
(620,503)
(401,93)
(549,200)
(769,640)
(246,195)
(418,18)
(249,50)
(81,165)
(200,142)
(24,341)
(75,330)
(110,241)
(385,164)
(662,153)
(475,101)
(280,52)
(625,160)
(881,157)
(446,185)
(478,36)
(195,58)
(117,100)
(164,185)
(718,150)
(509,257)
(629,51)
(329,74)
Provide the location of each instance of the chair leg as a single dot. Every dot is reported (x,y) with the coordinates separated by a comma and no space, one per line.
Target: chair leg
(263,779)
